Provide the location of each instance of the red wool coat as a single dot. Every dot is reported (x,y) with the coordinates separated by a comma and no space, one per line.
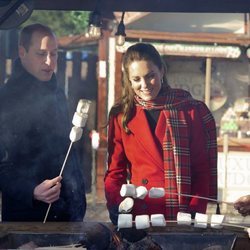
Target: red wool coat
(142,153)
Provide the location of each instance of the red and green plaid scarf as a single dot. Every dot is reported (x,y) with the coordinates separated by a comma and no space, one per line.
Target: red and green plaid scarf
(176,150)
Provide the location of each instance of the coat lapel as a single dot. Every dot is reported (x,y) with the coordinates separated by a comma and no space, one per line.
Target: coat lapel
(142,133)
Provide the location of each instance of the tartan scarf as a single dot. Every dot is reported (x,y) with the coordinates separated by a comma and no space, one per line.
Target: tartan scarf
(176,150)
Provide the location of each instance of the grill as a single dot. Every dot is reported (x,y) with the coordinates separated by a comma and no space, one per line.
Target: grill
(96,235)
(89,235)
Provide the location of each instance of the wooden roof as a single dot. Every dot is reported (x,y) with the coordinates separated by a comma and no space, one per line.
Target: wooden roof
(212,6)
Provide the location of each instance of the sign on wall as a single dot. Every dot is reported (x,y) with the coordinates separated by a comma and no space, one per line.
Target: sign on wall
(233,175)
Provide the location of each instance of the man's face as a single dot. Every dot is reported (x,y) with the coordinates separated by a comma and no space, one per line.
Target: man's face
(41,58)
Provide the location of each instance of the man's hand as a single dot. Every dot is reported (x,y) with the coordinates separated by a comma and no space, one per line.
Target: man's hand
(49,190)
(243,205)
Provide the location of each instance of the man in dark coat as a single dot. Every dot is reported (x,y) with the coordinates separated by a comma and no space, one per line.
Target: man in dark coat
(34,137)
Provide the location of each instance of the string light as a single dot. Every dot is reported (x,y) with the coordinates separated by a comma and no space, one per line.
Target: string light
(95,22)
(120,34)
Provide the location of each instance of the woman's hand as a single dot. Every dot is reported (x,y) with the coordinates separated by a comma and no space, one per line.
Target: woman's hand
(243,205)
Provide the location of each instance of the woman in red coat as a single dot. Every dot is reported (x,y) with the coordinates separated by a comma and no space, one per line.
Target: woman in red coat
(159,137)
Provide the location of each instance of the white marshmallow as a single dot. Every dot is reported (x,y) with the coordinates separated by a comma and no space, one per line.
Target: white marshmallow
(141,192)
(158,220)
(142,221)
(127,190)
(75,134)
(126,205)
(83,106)
(156,192)
(79,120)
(95,139)
(125,221)
(217,220)
(200,220)
(184,218)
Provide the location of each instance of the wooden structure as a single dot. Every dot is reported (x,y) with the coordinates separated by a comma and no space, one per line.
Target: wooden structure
(212,6)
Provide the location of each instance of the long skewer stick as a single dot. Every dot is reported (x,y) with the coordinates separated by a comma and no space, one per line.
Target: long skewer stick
(82,111)
(70,146)
(221,224)
(201,197)
(64,163)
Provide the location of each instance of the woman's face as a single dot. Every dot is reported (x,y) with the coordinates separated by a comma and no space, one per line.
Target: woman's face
(145,78)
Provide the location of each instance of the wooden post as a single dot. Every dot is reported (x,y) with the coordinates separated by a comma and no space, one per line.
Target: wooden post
(102,113)
(208,82)
(225,152)
(118,75)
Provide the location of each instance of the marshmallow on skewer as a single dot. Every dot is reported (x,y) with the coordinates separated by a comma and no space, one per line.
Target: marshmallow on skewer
(142,221)
(184,218)
(127,190)
(158,220)
(75,134)
(217,220)
(126,205)
(156,192)
(141,192)
(200,220)
(83,106)
(125,221)
(79,119)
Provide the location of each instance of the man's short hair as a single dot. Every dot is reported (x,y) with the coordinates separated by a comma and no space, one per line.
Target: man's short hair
(27,32)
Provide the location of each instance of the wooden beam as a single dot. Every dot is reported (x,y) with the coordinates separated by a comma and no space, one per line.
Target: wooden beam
(102,113)
(208,82)
(226,38)
(209,6)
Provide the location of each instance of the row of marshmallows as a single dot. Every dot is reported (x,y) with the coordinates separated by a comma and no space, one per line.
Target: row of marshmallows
(130,191)
(158,220)
(79,120)
(141,192)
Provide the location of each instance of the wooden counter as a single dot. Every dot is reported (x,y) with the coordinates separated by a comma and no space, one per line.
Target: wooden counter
(234,144)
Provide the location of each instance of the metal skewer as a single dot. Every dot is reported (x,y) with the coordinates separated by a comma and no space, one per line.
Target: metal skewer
(64,163)
(222,224)
(201,197)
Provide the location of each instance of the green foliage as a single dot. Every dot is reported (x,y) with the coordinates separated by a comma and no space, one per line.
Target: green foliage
(62,22)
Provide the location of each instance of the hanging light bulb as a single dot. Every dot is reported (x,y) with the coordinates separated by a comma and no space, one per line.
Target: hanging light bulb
(120,34)
(94,29)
